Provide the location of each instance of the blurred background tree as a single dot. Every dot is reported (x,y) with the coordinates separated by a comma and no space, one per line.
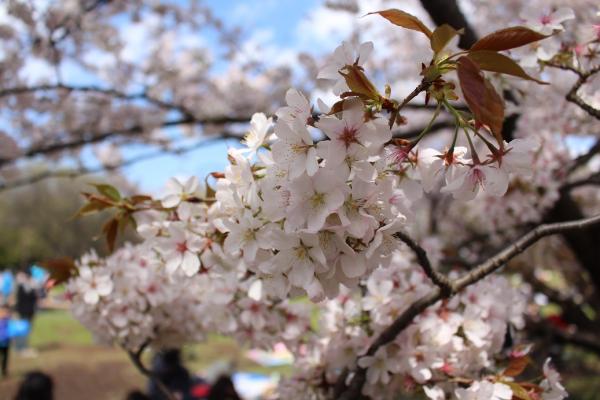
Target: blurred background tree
(37,223)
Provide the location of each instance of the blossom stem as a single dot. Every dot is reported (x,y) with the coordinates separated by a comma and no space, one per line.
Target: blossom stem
(428,127)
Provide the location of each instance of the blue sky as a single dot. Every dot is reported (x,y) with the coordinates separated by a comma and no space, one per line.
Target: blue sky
(278,25)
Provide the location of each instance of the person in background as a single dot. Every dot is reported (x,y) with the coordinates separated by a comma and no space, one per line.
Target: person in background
(6,286)
(167,367)
(223,389)
(26,307)
(4,339)
(36,386)
(137,395)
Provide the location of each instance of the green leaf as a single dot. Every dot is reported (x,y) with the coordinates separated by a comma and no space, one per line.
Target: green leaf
(441,36)
(481,97)
(404,20)
(495,62)
(506,39)
(92,207)
(108,190)
(518,391)
(358,82)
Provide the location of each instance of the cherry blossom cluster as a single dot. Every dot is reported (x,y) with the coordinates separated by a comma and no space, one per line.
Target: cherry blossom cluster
(310,206)
(132,300)
(442,353)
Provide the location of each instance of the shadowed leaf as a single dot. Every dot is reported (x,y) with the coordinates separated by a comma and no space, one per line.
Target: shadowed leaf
(481,97)
(516,366)
(110,229)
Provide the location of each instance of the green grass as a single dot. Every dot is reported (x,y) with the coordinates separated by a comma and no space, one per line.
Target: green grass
(58,329)
(54,327)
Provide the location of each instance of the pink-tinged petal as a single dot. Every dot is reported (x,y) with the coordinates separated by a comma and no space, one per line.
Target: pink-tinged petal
(173,262)
(562,14)
(364,52)
(301,274)
(171,201)
(312,165)
(495,182)
(353,266)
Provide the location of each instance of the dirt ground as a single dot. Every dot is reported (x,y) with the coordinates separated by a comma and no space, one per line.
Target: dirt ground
(79,372)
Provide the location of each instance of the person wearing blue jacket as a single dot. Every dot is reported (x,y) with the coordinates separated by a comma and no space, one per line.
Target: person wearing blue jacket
(4,339)
(6,286)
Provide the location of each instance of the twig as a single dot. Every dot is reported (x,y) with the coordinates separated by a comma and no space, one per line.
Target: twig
(584,158)
(484,269)
(437,278)
(572,95)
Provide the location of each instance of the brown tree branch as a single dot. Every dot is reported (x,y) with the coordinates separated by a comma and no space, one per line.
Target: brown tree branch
(583,77)
(484,269)
(437,278)
(574,98)
(90,138)
(448,12)
(584,158)
(82,171)
(111,92)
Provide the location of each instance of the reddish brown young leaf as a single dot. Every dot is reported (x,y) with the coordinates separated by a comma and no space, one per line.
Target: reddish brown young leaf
(491,61)
(516,366)
(110,229)
(441,36)
(60,269)
(404,20)
(481,97)
(506,39)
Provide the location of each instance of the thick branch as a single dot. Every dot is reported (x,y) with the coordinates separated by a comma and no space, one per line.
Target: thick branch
(448,12)
(90,138)
(92,89)
(82,171)
(480,272)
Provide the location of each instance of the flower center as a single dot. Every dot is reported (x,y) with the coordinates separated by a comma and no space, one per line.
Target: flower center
(317,199)
(348,136)
(545,19)
(181,247)
(477,177)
